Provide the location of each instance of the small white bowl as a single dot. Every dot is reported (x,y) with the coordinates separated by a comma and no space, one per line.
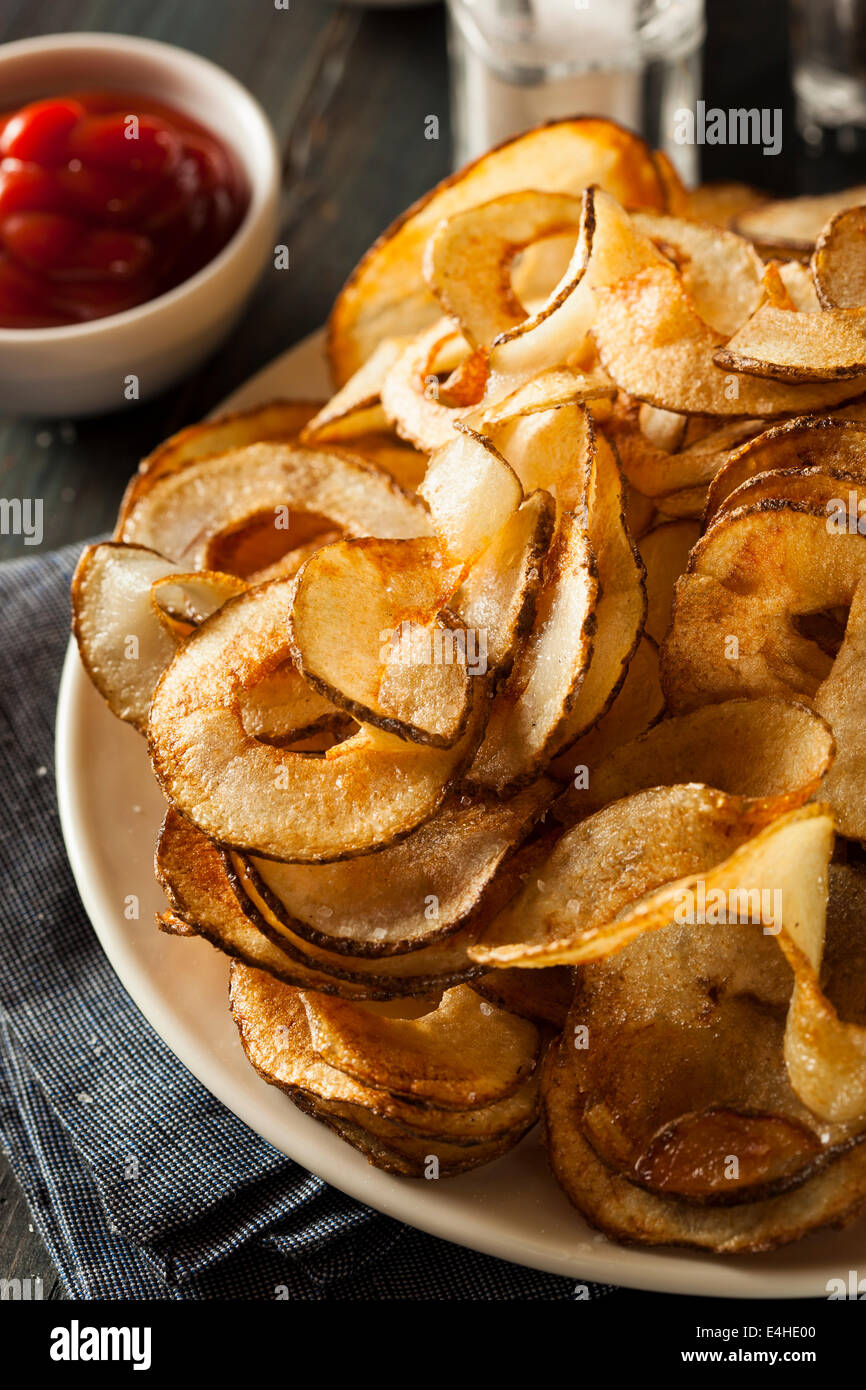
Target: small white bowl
(83,369)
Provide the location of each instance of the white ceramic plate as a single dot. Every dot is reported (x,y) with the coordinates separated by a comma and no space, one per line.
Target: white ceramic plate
(110,811)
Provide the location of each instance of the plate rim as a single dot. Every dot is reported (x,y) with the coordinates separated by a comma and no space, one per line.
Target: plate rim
(650,1269)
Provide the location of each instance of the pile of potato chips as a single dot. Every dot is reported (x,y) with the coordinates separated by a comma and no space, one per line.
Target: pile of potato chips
(509,705)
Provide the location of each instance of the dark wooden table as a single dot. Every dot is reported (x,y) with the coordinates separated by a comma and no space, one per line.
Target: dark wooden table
(348,92)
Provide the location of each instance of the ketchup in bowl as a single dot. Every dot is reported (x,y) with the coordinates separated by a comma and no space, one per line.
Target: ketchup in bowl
(107,199)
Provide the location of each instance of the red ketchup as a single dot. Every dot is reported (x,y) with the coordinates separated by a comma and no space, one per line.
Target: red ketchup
(107,199)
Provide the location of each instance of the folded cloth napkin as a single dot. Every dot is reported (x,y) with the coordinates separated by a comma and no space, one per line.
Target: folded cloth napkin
(141,1184)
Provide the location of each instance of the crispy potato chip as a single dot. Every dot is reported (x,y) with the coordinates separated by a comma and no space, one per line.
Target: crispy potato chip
(815,487)
(467,261)
(197,880)
(528,718)
(497,601)
(541,995)
(434,882)
(789,346)
(721,203)
(402,1154)
(539,267)
(577,905)
(838,263)
(415,399)
(182,601)
(751,617)
(626,1212)
(420,972)
(278,420)
(188,511)
(656,347)
(275,1034)
(775,753)
(551,449)
(795,223)
(121,623)
(639,703)
(550,388)
(685,1067)
(365,792)
(656,472)
(463,1054)
(609,247)
(801,443)
(386,295)
(721,272)
(622,606)
(471,492)
(365,633)
(665,553)
(777,878)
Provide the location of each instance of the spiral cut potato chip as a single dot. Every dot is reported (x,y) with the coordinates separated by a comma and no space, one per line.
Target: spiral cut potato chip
(432,784)
(386,295)
(468,258)
(122,619)
(783,753)
(273,1020)
(365,631)
(795,223)
(431,884)
(278,421)
(774,603)
(665,552)
(274,801)
(654,345)
(451,1057)
(721,1088)
(820,442)
(422,400)
(318,934)
(187,512)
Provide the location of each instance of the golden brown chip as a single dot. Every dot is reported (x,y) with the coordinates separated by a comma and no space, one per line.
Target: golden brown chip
(205,900)
(463,1054)
(284,487)
(433,883)
(366,633)
(665,553)
(575,907)
(773,604)
(274,1031)
(802,443)
(386,294)
(276,421)
(626,1212)
(775,753)
(366,792)
(657,348)
(467,261)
